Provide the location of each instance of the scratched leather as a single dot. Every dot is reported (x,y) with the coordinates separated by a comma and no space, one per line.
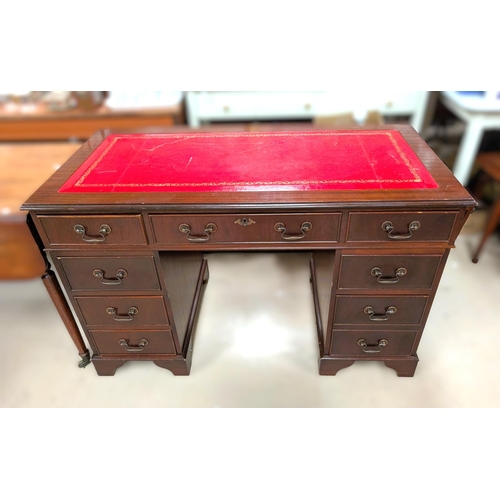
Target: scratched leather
(274,161)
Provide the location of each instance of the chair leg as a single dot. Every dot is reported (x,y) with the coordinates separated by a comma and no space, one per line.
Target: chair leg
(491,225)
(480,182)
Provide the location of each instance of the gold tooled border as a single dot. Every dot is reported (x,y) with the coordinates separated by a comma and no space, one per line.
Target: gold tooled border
(411,168)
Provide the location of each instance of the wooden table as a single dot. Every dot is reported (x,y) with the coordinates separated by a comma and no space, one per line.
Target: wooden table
(78,124)
(23,168)
(125,224)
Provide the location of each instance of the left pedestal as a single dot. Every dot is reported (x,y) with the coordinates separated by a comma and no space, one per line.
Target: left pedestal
(131,303)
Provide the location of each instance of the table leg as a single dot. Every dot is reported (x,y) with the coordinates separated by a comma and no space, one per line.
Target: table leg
(56,294)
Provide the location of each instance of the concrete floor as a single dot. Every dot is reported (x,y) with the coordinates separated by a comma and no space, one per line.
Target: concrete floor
(256,347)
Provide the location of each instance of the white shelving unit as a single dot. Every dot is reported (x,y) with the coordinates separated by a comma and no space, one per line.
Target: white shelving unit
(204,107)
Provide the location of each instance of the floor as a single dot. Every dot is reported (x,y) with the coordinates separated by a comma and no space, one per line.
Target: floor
(255,345)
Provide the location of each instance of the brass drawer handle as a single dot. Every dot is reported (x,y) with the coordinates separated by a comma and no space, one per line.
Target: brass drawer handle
(120,274)
(123,317)
(209,229)
(104,230)
(388,280)
(134,348)
(379,317)
(304,228)
(389,228)
(372,348)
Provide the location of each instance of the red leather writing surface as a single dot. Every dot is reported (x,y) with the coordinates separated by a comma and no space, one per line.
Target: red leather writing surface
(276,161)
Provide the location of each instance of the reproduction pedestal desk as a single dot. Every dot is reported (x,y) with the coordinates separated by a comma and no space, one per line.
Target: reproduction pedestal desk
(125,225)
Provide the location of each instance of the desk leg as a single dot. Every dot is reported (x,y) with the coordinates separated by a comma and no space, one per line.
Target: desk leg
(52,286)
(467,151)
(404,368)
(328,366)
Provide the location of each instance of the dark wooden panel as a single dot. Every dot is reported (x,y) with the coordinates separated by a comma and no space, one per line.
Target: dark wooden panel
(158,342)
(325,227)
(346,342)
(181,271)
(140,273)
(367,226)
(356,271)
(125,229)
(151,311)
(350,310)
(323,266)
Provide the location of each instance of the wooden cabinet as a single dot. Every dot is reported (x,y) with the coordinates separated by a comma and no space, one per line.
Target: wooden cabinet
(126,262)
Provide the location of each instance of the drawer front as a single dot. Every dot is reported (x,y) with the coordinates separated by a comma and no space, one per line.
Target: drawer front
(120,312)
(380,311)
(94,230)
(134,341)
(387,272)
(283,229)
(372,343)
(110,273)
(400,226)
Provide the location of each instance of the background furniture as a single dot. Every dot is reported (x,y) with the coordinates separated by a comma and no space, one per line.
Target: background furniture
(204,107)
(128,250)
(78,124)
(489,164)
(23,167)
(479,113)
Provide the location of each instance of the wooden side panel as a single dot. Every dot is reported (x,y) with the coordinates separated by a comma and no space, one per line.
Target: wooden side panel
(181,271)
(324,267)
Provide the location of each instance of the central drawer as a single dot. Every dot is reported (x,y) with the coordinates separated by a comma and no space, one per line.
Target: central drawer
(283,229)
(379,311)
(123,312)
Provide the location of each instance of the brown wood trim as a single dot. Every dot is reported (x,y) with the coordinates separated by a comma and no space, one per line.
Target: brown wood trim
(449,190)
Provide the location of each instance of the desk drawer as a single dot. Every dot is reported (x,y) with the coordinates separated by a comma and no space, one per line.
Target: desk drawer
(400,226)
(386,272)
(121,311)
(283,229)
(110,273)
(372,343)
(134,341)
(380,311)
(94,230)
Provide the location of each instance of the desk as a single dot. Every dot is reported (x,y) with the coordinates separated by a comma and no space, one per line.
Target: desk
(126,222)
(479,115)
